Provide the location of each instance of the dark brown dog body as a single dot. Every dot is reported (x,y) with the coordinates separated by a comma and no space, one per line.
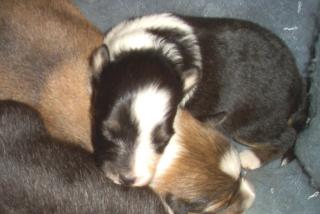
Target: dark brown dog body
(40,174)
(44,50)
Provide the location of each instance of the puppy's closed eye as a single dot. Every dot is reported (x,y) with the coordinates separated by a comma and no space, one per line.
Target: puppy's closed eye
(160,137)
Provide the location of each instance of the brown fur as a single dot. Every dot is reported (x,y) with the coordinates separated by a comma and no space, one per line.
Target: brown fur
(44,51)
(194,176)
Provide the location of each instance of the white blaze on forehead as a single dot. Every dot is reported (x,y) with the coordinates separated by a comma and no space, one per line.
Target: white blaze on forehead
(149,108)
(230,163)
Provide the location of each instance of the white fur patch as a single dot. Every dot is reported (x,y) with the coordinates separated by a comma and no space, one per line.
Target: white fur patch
(187,97)
(171,152)
(248,192)
(98,59)
(230,163)
(157,21)
(144,158)
(149,108)
(249,160)
(190,81)
(141,40)
(133,35)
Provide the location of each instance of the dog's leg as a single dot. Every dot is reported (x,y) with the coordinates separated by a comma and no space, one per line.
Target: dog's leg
(261,153)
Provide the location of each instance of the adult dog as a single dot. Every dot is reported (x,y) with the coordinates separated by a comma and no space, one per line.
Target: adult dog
(44,51)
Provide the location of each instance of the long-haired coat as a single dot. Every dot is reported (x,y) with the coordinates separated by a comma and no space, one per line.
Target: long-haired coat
(44,51)
(40,174)
(200,172)
(149,65)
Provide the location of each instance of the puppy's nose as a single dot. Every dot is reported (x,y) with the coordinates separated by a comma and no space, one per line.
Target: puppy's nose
(127,180)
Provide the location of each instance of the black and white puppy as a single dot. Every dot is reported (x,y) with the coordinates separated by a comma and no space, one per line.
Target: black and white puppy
(40,174)
(139,79)
(149,65)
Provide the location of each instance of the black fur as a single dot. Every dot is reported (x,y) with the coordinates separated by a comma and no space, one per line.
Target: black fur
(113,92)
(39,174)
(248,74)
(245,68)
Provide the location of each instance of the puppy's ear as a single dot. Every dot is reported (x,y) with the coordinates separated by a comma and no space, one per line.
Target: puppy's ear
(98,59)
(190,78)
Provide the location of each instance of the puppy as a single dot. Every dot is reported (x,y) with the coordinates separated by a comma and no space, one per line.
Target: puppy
(44,51)
(149,65)
(199,171)
(40,174)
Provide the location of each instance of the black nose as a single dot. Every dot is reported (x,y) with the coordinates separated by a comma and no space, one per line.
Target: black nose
(127,180)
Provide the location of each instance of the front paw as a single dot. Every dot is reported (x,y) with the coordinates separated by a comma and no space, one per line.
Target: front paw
(249,160)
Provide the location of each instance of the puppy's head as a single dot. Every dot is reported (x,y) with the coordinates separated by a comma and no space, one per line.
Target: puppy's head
(134,101)
(199,171)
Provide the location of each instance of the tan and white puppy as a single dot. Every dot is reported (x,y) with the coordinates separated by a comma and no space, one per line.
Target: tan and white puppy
(200,172)
(44,51)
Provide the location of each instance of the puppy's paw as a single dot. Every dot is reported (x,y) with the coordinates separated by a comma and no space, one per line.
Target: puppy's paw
(249,160)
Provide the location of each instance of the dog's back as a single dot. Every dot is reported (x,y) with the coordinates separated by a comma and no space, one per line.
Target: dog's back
(42,175)
(44,51)
(250,74)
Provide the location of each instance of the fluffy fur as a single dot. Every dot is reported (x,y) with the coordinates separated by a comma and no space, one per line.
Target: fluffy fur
(209,66)
(130,49)
(199,171)
(250,74)
(133,112)
(44,51)
(40,174)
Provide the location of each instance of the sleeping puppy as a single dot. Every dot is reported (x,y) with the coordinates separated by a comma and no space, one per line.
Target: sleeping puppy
(149,65)
(199,171)
(44,51)
(132,120)
(40,174)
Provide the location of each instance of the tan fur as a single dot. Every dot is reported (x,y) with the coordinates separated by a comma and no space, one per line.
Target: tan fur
(67,93)
(44,62)
(195,174)
(195,164)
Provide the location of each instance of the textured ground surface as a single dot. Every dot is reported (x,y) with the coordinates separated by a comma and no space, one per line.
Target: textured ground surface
(308,146)
(279,190)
